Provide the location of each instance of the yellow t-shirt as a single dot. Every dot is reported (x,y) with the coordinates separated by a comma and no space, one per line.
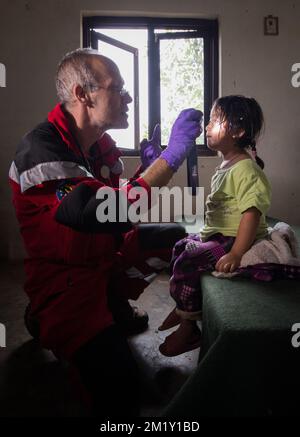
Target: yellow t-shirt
(233,190)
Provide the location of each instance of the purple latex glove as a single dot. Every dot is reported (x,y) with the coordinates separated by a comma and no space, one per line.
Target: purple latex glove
(150,149)
(185,130)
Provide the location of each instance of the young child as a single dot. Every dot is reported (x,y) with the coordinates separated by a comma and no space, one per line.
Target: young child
(235,216)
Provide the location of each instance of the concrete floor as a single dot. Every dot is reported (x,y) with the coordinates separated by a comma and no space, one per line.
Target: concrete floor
(34,384)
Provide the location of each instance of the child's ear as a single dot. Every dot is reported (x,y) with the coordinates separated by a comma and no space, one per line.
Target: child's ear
(239,133)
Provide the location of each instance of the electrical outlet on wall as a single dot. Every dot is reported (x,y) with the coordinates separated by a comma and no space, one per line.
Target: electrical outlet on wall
(271,25)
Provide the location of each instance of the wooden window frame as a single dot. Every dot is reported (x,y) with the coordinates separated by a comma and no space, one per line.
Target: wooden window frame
(204,28)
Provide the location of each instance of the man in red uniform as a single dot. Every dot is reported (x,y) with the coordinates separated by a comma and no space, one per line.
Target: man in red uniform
(80,271)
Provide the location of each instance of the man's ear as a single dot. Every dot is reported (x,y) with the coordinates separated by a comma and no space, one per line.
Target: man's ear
(81,96)
(79,93)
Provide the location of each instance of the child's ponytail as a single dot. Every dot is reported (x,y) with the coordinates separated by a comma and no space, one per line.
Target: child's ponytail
(258,160)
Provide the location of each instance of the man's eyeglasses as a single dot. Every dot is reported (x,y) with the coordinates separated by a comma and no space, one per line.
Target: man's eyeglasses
(122,91)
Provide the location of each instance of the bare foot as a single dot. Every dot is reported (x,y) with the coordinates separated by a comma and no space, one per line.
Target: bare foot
(171,320)
(186,338)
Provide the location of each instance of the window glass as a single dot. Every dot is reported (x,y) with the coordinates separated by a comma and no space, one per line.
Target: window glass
(136,38)
(181,80)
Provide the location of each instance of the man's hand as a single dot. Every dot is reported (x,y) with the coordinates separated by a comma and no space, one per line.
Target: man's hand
(185,130)
(150,149)
(228,263)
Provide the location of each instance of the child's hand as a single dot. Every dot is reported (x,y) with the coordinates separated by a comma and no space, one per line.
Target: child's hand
(228,263)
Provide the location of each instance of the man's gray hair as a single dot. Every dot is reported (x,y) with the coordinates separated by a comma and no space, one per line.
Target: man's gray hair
(76,69)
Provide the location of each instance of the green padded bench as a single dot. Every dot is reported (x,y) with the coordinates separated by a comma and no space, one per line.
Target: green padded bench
(247,365)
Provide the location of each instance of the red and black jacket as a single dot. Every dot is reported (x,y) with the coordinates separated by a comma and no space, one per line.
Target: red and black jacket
(69,252)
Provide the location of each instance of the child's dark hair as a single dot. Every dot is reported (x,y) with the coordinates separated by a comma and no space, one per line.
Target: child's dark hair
(242,113)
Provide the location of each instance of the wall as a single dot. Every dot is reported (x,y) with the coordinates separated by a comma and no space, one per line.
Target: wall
(35,34)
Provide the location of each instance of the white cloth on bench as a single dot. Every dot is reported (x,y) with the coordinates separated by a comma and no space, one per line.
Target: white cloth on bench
(279,247)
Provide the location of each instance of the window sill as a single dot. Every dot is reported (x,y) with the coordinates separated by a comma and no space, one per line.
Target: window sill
(201,151)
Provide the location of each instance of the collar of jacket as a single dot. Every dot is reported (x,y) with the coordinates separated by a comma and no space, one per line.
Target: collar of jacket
(105,147)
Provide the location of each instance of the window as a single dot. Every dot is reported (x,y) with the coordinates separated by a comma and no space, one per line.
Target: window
(167,65)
